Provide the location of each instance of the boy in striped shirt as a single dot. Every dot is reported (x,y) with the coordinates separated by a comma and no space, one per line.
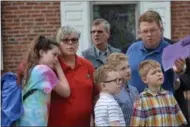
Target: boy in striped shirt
(155,106)
(107,110)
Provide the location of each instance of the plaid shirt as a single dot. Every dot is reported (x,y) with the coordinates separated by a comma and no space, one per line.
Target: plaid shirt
(157,110)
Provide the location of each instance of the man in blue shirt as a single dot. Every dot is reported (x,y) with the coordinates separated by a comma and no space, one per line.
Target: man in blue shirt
(151,47)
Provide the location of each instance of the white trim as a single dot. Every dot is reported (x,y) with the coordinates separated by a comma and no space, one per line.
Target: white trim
(77,14)
(164,9)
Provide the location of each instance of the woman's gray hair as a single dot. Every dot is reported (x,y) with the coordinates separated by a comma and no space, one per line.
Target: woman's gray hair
(65,30)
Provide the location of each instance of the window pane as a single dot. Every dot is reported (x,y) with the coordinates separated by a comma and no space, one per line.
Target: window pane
(122,20)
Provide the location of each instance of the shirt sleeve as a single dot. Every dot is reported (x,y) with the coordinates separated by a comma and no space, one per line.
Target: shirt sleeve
(113,112)
(138,116)
(49,79)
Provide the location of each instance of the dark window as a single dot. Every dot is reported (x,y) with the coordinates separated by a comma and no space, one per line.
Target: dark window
(122,20)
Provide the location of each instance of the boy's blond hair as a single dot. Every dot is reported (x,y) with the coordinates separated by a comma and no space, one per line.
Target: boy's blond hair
(115,59)
(101,73)
(146,65)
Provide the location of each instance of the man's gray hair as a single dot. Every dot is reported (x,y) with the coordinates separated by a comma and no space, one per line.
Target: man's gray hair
(65,30)
(106,24)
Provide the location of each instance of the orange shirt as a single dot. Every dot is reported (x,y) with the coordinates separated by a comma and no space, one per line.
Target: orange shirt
(75,110)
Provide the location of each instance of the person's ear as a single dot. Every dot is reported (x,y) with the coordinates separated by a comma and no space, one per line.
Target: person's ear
(144,79)
(41,53)
(103,86)
(108,34)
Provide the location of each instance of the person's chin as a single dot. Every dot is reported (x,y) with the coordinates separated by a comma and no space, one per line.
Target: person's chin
(159,84)
(98,43)
(128,78)
(71,53)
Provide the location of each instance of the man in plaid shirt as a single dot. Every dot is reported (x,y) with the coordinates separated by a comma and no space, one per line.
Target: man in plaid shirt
(155,106)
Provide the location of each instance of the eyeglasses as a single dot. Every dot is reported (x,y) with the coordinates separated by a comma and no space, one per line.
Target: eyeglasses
(67,40)
(152,31)
(96,31)
(117,80)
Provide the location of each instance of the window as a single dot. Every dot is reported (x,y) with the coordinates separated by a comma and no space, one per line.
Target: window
(122,18)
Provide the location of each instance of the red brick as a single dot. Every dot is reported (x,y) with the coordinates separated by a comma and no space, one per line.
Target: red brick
(179,15)
(180,19)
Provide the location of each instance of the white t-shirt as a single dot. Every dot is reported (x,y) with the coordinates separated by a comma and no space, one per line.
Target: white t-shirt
(107,110)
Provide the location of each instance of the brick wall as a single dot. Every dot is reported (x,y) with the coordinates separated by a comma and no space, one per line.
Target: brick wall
(21,23)
(180,14)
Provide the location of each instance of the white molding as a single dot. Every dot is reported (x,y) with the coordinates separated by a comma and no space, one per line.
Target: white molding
(164,9)
(77,14)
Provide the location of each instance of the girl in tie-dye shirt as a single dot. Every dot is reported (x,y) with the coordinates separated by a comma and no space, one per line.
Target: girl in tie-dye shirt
(38,74)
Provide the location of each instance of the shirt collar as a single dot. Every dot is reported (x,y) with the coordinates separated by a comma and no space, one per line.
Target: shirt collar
(98,52)
(65,66)
(158,49)
(106,95)
(147,92)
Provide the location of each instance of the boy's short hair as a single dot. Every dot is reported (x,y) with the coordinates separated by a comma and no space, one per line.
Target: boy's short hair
(101,73)
(146,65)
(114,59)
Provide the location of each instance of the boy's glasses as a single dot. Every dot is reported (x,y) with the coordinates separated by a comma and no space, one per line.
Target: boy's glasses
(67,40)
(117,80)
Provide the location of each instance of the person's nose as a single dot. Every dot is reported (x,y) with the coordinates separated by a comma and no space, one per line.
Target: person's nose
(149,33)
(159,74)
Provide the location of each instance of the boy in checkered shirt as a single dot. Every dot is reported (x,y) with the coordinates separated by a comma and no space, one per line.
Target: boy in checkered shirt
(155,106)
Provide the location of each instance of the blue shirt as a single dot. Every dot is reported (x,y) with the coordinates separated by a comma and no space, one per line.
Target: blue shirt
(126,99)
(138,53)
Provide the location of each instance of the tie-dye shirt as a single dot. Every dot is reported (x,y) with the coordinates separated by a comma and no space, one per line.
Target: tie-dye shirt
(36,106)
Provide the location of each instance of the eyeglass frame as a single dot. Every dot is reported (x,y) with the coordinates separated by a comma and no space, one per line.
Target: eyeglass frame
(146,32)
(115,80)
(67,40)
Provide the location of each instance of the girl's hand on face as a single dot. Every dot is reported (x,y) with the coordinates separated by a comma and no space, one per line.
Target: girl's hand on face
(57,66)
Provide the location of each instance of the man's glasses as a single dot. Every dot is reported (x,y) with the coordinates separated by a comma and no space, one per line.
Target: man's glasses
(67,40)
(152,31)
(96,31)
(117,80)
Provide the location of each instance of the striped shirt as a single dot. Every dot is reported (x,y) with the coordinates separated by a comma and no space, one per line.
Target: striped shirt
(107,110)
(126,99)
(159,109)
